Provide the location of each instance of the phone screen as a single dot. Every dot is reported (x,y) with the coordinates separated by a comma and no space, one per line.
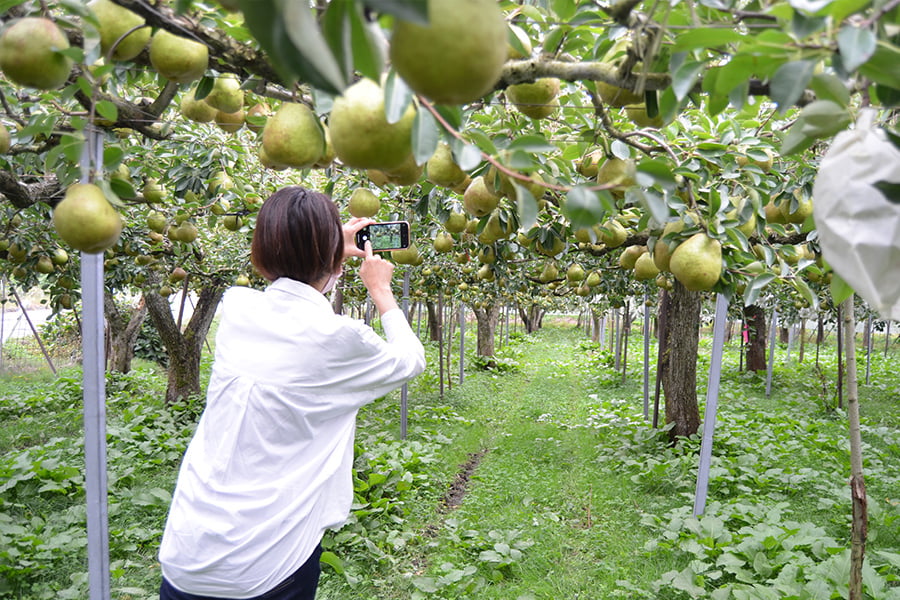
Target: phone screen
(385,236)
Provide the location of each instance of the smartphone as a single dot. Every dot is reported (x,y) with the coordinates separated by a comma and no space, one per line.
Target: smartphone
(390,235)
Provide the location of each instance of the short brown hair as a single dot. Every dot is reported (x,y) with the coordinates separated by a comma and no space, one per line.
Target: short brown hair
(298,235)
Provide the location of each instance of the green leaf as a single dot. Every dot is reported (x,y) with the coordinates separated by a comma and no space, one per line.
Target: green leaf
(801,286)
(107,110)
(467,156)
(727,77)
(884,65)
(856,45)
(331,559)
(583,208)
(828,86)
(658,172)
(752,291)
(706,38)
(425,135)
(414,11)
(527,207)
(823,118)
(204,87)
(796,140)
(890,190)
(290,36)
(367,55)
(532,143)
(397,97)
(840,290)
(789,82)
(685,77)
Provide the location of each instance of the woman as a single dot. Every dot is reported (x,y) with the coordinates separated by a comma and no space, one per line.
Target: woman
(269,467)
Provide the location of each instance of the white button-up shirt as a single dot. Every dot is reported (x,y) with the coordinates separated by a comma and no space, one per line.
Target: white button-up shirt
(269,467)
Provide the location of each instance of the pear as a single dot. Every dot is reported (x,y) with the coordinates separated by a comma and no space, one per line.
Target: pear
(645,268)
(293,136)
(29,54)
(662,250)
(697,262)
(613,234)
(593,279)
(616,96)
(409,256)
(458,57)
(536,100)
(363,203)
(799,213)
(226,94)
(328,156)
(230,122)
(177,58)
(407,173)
(442,170)
(360,133)
(549,273)
(637,114)
(86,220)
(443,242)
(629,256)
(589,165)
(197,110)
(153,192)
(617,171)
(267,162)
(257,115)
(456,222)
(478,199)
(766,165)
(114,22)
(5,139)
(575,273)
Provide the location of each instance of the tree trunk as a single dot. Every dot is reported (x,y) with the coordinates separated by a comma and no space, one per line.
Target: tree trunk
(122,330)
(755,318)
(783,334)
(532,318)
(487,324)
(802,338)
(860,523)
(679,368)
(184,347)
(595,329)
(435,321)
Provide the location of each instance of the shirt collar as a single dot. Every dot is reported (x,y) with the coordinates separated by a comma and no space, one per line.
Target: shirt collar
(302,290)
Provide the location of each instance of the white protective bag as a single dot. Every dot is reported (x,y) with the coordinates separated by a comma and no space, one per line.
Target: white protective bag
(859,228)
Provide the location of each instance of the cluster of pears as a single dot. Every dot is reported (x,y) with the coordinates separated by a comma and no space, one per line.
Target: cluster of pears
(696,262)
(618,97)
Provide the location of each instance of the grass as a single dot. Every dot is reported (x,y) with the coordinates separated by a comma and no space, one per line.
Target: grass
(572,495)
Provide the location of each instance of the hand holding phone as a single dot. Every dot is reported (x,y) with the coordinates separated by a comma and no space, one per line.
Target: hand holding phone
(390,235)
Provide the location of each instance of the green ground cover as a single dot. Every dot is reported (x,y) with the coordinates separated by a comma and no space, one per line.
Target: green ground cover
(537,479)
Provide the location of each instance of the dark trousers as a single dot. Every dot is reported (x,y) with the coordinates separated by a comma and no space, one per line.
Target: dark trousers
(301,585)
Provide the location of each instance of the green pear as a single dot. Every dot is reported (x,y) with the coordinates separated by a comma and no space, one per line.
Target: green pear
(29,54)
(478,199)
(442,170)
(177,58)
(536,100)
(197,110)
(114,22)
(363,203)
(293,136)
(360,133)
(226,94)
(458,56)
(86,220)
(697,262)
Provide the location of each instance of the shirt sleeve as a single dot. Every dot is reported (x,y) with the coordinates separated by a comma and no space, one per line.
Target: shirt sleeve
(372,366)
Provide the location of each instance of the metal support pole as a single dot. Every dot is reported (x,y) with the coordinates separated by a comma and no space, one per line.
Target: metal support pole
(94,394)
(404,390)
(646,358)
(869,335)
(772,333)
(462,342)
(712,404)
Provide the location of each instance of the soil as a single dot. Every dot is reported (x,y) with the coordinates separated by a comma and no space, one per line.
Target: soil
(460,486)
